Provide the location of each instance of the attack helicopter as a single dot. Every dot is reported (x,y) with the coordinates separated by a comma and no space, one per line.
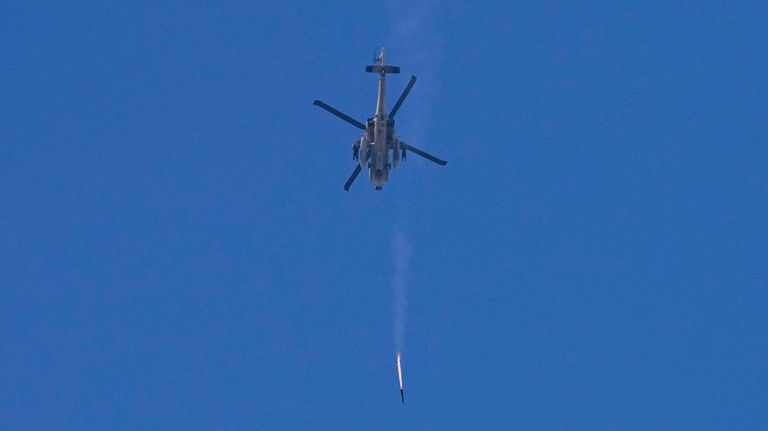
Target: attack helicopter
(379,149)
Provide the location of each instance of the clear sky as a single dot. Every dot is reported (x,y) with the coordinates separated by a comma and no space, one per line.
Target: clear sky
(177,251)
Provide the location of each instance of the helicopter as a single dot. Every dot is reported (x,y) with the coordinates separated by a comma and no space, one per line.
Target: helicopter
(379,140)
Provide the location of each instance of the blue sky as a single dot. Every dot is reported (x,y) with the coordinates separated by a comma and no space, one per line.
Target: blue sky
(178,253)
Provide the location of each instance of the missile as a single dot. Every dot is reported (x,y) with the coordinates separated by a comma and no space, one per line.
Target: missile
(400,378)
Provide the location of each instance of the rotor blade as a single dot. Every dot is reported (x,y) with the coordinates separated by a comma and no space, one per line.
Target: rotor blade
(352,177)
(402,97)
(423,154)
(339,114)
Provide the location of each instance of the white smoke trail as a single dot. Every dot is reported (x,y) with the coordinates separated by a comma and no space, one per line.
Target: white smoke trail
(417,42)
(400,249)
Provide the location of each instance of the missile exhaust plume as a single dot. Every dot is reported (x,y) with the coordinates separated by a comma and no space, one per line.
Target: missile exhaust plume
(401,253)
